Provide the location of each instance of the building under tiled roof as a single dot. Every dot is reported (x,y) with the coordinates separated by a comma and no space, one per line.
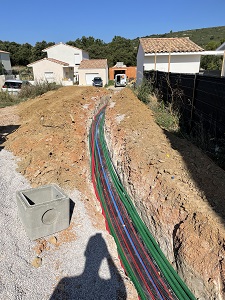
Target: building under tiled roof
(52,60)
(93,64)
(166,45)
(55,45)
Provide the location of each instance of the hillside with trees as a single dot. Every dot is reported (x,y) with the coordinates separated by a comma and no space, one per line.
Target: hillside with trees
(119,49)
(211,37)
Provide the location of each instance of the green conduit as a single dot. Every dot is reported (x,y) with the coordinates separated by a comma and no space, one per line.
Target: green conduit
(175,282)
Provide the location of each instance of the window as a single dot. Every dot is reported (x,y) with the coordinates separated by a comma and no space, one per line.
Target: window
(49,76)
(77,59)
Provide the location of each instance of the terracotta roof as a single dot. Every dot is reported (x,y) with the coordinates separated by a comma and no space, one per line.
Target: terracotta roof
(165,45)
(52,60)
(58,61)
(93,64)
(1,51)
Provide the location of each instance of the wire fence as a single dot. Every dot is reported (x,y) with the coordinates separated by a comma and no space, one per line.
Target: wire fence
(200,102)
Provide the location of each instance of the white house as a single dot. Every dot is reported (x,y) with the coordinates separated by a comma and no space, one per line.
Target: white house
(61,64)
(52,70)
(175,55)
(5,60)
(91,68)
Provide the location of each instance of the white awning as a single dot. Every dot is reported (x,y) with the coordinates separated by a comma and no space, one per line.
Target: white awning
(187,53)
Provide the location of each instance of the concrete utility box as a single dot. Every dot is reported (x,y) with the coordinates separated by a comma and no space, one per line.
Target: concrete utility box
(43,210)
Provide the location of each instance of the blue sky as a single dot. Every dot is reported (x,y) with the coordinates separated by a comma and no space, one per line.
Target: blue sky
(61,21)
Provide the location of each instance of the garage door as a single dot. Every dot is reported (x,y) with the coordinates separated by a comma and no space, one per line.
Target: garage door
(89,77)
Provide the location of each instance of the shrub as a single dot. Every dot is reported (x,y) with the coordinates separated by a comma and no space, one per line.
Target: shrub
(165,116)
(110,83)
(7,100)
(144,90)
(26,92)
(37,90)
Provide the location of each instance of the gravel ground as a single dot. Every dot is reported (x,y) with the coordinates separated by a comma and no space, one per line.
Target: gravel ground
(81,268)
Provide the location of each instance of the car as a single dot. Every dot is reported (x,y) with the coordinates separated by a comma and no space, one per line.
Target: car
(97,81)
(13,86)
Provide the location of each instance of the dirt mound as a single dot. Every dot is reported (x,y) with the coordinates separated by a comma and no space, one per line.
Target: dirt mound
(52,137)
(178,190)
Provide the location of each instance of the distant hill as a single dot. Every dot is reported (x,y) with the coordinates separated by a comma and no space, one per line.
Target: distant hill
(201,37)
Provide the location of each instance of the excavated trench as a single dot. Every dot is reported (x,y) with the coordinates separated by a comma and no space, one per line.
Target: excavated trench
(177,191)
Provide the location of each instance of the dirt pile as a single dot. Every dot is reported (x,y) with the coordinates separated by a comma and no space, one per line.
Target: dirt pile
(177,190)
(52,139)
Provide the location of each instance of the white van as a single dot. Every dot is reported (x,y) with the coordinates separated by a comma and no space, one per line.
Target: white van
(120,80)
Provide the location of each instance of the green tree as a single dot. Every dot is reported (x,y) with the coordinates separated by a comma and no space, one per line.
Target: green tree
(19,54)
(23,55)
(211,62)
(37,53)
(96,48)
(12,48)
(212,45)
(122,49)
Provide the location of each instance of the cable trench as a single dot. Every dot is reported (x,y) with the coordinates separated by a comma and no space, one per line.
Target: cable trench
(140,255)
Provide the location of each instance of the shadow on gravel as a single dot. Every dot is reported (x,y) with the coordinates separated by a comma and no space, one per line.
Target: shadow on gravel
(208,177)
(90,285)
(5,131)
(72,205)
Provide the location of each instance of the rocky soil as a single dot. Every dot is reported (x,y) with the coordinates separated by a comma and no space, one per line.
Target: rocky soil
(178,191)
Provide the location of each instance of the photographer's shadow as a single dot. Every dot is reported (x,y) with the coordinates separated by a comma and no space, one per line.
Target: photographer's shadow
(90,285)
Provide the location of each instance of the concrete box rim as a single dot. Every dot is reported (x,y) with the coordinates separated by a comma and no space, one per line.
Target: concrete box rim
(25,202)
(41,217)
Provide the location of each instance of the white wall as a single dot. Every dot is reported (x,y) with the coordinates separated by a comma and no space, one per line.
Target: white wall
(5,60)
(43,66)
(178,63)
(103,73)
(66,54)
(161,63)
(140,64)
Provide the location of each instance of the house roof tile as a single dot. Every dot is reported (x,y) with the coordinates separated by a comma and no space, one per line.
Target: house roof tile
(52,60)
(1,51)
(166,45)
(93,64)
(58,61)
